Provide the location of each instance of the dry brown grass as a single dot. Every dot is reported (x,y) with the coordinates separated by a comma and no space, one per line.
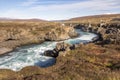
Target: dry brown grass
(95,19)
(87,62)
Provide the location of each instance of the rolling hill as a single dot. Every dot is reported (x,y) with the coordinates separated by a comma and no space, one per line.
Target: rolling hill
(97,18)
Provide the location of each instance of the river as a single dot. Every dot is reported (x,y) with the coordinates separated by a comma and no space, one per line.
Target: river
(33,54)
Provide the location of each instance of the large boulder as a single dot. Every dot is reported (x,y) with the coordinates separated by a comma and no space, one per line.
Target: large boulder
(51,53)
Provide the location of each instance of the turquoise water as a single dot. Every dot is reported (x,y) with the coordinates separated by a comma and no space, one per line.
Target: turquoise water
(82,38)
(33,54)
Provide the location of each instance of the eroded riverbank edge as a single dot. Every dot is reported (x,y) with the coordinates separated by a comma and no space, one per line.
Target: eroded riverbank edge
(16,34)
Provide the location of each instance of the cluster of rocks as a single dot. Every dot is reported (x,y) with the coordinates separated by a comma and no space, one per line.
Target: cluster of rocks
(108,33)
(60,49)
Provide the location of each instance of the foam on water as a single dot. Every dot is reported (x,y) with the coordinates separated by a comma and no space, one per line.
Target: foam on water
(33,54)
(83,38)
(27,56)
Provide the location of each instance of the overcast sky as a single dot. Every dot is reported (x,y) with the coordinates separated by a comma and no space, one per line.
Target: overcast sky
(56,9)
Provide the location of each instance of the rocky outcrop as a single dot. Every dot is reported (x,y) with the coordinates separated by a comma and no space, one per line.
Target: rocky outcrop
(107,32)
(50,36)
(17,34)
(61,49)
(60,33)
(62,46)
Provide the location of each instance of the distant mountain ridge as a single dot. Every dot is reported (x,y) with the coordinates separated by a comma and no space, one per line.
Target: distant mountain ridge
(2,18)
(10,19)
(83,18)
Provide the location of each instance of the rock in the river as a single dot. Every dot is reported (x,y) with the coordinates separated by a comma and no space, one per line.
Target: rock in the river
(51,53)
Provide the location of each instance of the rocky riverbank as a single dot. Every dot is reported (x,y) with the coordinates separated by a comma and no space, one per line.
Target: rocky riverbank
(108,33)
(106,26)
(14,34)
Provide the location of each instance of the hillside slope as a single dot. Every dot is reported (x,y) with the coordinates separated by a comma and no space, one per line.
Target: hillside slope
(97,18)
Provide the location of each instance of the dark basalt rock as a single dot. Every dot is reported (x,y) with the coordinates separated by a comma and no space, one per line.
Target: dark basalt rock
(72,47)
(51,53)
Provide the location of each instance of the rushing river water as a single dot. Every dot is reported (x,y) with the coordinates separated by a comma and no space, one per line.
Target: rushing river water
(33,54)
